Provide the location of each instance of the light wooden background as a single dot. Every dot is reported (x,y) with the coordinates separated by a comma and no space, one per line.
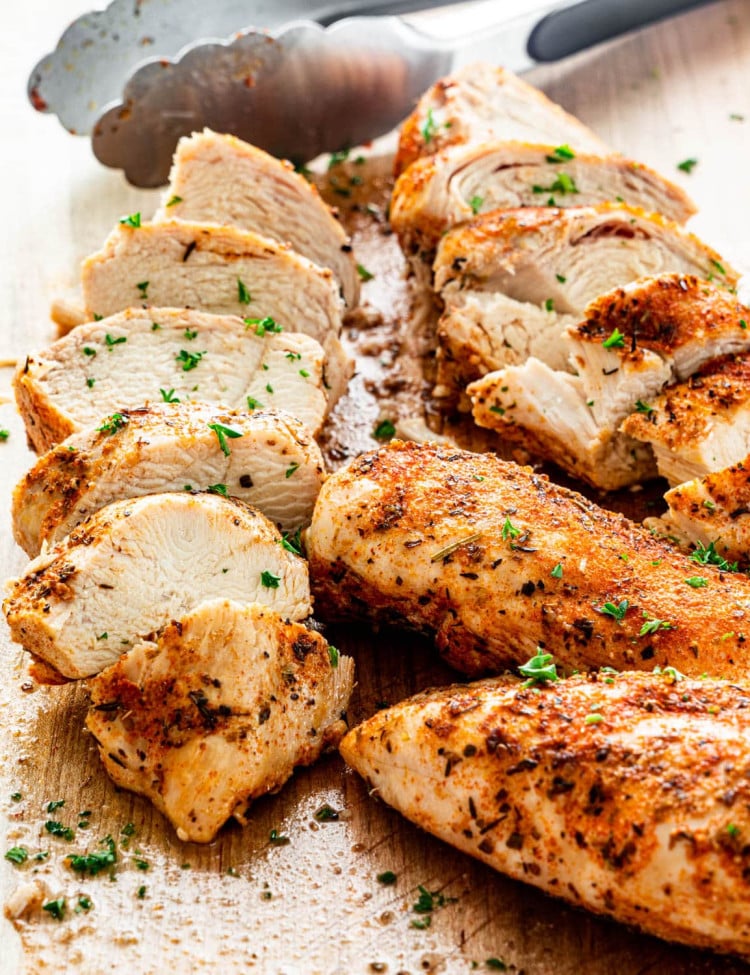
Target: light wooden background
(665,95)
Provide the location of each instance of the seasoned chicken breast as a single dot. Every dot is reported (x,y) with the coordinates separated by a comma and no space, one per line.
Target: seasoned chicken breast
(266,459)
(631,342)
(452,186)
(145,356)
(700,425)
(136,564)
(495,560)
(485,103)
(711,513)
(626,794)
(221,179)
(512,280)
(217,710)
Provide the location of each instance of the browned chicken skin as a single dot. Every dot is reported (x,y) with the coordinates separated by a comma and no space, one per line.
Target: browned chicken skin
(495,560)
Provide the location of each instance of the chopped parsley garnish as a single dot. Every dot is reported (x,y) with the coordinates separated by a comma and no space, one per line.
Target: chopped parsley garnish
(263,325)
(173,201)
(222,432)
(697,582)
(291,469)
(57,829)
(112,424)
(16,796)
(56,908)
(269,580)
(476,204)
(719,266)
(421,923)
(254,404)
(563,183)
(191,333)
(509,530)
(143,288)
(133,220)
(17,855)
(338,157)
(617,612)
(292,543)
(333,656)
(90,382)
(188,360)
(326,814)
(641,407)
(96,862)
(243,295)
(539,669)
(557,572)
(733,830)
(168,395)
(429,128)
(112,342)
(87,350)
(384,430)
(155,326)
(593,719)
(549,305)
(277,838)
(560,153)
(55,804)
(217,489)
(615,340)
(561,278)
(304,373)
(687,165)
(141,892)
(364,274)
(387,878)
(141,864)
(269,388)
(707,555)
(103,636)
(653,626)
(84,904)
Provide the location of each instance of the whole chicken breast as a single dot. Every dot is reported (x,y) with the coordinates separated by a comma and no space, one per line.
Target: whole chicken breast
(494,560)
(452,186)
(145,356)
(216,710)
(481,103)
(267,459)
(221,179)
(137,564)
(626,794)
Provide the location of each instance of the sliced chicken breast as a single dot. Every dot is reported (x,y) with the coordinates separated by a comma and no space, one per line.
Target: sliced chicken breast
(626,794)
(551,263)
(136,564)
(495,561)
(144,356)
(267,459)
(217,710)
(700,425)
(222,180)
(630,344)
(451,187)
(484,103)
(712,514)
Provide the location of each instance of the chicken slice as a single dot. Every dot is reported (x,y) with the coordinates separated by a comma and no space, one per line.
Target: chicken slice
(700,425)
(551,263)
(136,564)
(627,795)
(711,513)
(630,344)
(495,560)
(266,459)
(217,710)
(221,179)
(449,188)
(485,103)
(125,361)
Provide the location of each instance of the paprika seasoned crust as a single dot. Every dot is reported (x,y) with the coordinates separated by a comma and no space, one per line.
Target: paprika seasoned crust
(625,794)
(217,709)
(494,560)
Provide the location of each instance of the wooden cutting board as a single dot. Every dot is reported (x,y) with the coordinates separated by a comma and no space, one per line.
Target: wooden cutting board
(680,90)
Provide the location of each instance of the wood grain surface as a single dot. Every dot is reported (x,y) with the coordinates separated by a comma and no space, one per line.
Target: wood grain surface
(243,904)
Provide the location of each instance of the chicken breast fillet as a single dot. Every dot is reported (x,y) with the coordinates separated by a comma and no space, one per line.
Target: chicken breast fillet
(627,795)
(495,560)
(221,179)
(267,459)
(700,425)
(145,356)
(511,281)
(711,513)
(485,103)
(217,710)
(136,564)
(451,187)
(631,343)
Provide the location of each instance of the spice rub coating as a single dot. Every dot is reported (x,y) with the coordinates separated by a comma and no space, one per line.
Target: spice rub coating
(494,560)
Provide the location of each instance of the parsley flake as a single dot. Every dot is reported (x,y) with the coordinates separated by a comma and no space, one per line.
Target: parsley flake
(277,838)
(216,489)
(222,432)
(133,220)
(539,669)
(254,404)
(333,656)
(384,430)
(112,341)
(617,612)
(94,863)
(509,530)
(687,165)
(17,855)
(168,395)
(291,469)
(292,544)
(697,582)
(243,295)
(557,572)
(364,274)
(188,360)
(387,878)
(56,908)
(143,288)
(268,580)
(652,625)
(173,201)
(615,340)
(112,424)
(263,325)
(476,204)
